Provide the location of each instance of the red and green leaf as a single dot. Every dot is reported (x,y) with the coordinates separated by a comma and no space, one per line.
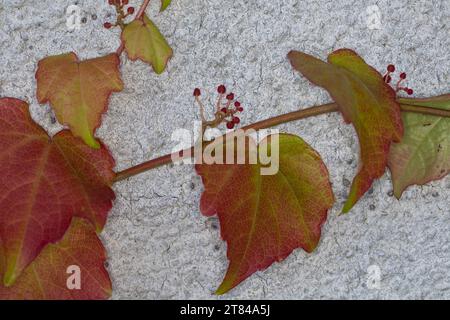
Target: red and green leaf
(143,40)
(45,182)
(366,101)
(263,218)
(78,91)
(47,277)
(423,155)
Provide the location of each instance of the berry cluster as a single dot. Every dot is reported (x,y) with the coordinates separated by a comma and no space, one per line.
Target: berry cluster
(121,14)
(387,78)
(225,111)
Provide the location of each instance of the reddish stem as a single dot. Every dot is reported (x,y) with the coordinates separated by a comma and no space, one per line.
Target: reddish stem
(296,115)
(120,49)
(141,11)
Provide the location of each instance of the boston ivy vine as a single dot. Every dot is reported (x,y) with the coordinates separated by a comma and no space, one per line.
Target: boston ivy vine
(56,192)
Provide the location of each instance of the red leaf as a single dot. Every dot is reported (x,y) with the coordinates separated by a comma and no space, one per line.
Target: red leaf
(264,218)
(45,182)
(53,274)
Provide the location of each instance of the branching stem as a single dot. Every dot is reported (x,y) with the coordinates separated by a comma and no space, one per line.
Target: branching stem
(264,124)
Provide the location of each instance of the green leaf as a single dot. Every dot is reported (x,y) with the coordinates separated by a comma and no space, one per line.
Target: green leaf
(78,91)
(423,154)
(366,101)
(143,40)
(165,4)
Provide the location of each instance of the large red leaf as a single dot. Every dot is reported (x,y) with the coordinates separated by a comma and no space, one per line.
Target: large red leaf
(78,91)
(52,275)
(264,217)
(366,101)
(44,182)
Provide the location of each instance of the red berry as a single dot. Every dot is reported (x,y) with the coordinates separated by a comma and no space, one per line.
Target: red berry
(391,68)
(236,120)
(221,89)
(197,92)
(402,75)
(224,110)
(410,91)
(240,109)
(230,96)
(130,10)
(230,125)
(107,25)
(237,104)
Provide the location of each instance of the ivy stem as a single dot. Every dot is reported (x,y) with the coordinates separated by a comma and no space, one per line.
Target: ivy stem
(264,124)
(425,110)
(141,10)
(139,16)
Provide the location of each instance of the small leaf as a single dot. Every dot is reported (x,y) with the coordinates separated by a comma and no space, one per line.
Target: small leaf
(143,41)
(423,155)
(264,218)
(165,4)
(78,91)
(45,182)
(53,274)
(366,101)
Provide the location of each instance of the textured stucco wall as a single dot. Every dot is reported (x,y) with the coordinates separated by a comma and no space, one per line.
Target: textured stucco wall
(159,245)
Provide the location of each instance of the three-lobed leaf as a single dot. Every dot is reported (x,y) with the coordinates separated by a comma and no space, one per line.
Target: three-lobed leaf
(143,40)
(423,154)
(73,268)
(366,101)
(78,91)
(45,182)
(263,218)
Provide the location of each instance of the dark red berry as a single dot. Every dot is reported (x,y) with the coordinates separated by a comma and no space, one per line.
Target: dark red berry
(130,10)
(237,104)
(391,68)
(402,75)
(224,110)
(221,89)
(410,91)
(107,25)
(197,92)
(230,96)
(230,125)
(236,120)
(240,109)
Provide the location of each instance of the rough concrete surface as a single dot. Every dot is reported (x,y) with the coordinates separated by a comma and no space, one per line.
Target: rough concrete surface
(159,245)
